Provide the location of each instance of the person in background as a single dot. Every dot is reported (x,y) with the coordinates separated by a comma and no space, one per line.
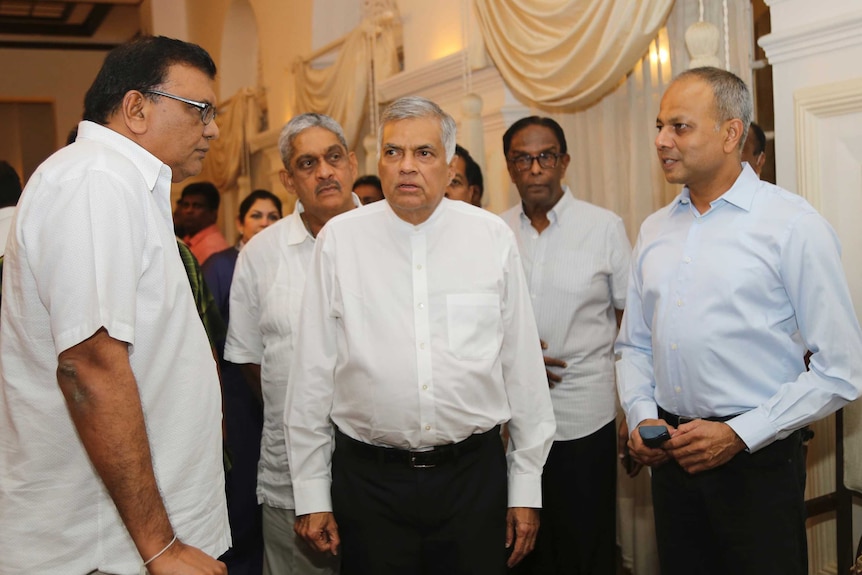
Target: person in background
(729,285)
(576,260)
(368,189)
(110,408)
(10,193)
(242,408)
(265,301)
(467,184)
(754,150)
(198,213)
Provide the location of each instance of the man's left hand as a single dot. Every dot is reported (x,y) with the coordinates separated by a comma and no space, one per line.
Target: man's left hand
(700,445)
(522,524)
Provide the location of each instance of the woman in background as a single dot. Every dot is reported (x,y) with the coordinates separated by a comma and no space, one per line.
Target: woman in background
(243,415)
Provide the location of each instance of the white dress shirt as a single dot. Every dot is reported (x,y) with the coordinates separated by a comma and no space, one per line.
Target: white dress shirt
(722,307)
(577,272)
(413,337)
(265,299)
(93,246)
(5,224)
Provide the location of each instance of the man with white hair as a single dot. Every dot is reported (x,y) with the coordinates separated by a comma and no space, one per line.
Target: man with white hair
(417,342)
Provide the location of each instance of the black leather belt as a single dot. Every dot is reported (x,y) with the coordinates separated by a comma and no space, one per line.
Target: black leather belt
(677,420)
(433,457)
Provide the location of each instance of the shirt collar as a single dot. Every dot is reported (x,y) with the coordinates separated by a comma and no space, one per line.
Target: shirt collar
(298,232)
(740,194)
(441,208)
(563,205)
(151,168)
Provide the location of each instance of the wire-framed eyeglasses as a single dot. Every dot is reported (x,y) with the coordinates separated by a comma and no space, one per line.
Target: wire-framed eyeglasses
(547,160)
(208,111)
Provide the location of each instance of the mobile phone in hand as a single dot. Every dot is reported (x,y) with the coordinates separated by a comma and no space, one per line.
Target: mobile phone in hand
(653,435)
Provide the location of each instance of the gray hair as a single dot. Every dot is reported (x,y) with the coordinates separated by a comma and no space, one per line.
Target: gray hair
(411,107)
(299,124)
(732,96)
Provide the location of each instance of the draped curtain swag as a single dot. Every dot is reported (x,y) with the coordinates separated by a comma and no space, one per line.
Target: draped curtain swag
(227,156)
(562,55)
(341,90)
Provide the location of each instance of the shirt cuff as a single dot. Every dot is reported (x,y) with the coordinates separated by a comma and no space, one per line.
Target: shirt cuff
(641,410)
(754,429)
(525,490)
(312,496)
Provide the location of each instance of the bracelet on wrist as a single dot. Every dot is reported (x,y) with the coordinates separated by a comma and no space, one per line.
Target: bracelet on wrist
(160,553)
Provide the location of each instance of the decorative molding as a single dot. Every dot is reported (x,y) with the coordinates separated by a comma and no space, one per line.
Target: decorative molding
(441,80)
(811,105)
(815,38)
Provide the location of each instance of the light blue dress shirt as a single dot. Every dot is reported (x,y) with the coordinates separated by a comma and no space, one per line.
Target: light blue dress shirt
(722,306)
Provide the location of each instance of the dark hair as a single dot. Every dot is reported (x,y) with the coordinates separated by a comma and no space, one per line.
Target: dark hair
(732,96)
(141,64)
(472,171)
(369,180)
(759,138)
(248,202)
(205,189)
(534,121)
(10,185)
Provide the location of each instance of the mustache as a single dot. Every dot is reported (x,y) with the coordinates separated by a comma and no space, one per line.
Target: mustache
(327,184)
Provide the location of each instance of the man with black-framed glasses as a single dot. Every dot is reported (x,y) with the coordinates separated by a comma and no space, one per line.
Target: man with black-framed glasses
(110,405)
(576,257)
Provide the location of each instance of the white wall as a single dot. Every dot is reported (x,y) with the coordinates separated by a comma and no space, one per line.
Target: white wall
(815,54)
(58,76)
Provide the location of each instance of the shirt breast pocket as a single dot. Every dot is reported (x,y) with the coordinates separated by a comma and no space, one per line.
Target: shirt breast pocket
(475,325)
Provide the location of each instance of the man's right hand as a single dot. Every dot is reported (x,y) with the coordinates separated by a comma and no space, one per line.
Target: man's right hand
(642,453)
(182,559)
(320,531)
(553,378)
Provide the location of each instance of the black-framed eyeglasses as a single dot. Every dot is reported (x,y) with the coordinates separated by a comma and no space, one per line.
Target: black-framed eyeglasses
(547,160)
(208,111)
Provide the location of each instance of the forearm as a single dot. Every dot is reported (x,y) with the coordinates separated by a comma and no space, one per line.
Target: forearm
(103,401)
(251,371)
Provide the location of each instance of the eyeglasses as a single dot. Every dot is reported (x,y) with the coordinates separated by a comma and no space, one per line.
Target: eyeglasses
(208,111)
(546,160)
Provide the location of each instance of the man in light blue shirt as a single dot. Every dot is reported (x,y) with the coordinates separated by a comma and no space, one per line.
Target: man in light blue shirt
(730,285)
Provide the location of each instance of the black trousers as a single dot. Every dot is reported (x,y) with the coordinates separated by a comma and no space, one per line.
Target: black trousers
(577,535)
(746,517)
(394,519)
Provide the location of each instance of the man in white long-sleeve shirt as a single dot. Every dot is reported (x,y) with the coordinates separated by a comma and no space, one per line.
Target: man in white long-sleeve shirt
(418,341)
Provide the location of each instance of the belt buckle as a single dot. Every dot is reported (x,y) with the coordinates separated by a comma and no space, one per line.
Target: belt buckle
(682,420)
(415,465)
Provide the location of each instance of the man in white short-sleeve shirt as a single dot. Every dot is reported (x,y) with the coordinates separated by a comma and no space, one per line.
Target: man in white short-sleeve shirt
(110,408)
(265,299)
(576,259)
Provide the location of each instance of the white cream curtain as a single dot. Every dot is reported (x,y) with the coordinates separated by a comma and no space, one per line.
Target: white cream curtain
(228,154)
(561,55)
(341,90)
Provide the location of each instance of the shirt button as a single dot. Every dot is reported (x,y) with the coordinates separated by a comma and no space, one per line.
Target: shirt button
(687,260)
(677,389)
(424,388)
(678,303)
(421,346)
(421,306)
(673,346)
(418,266)
(427,428)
